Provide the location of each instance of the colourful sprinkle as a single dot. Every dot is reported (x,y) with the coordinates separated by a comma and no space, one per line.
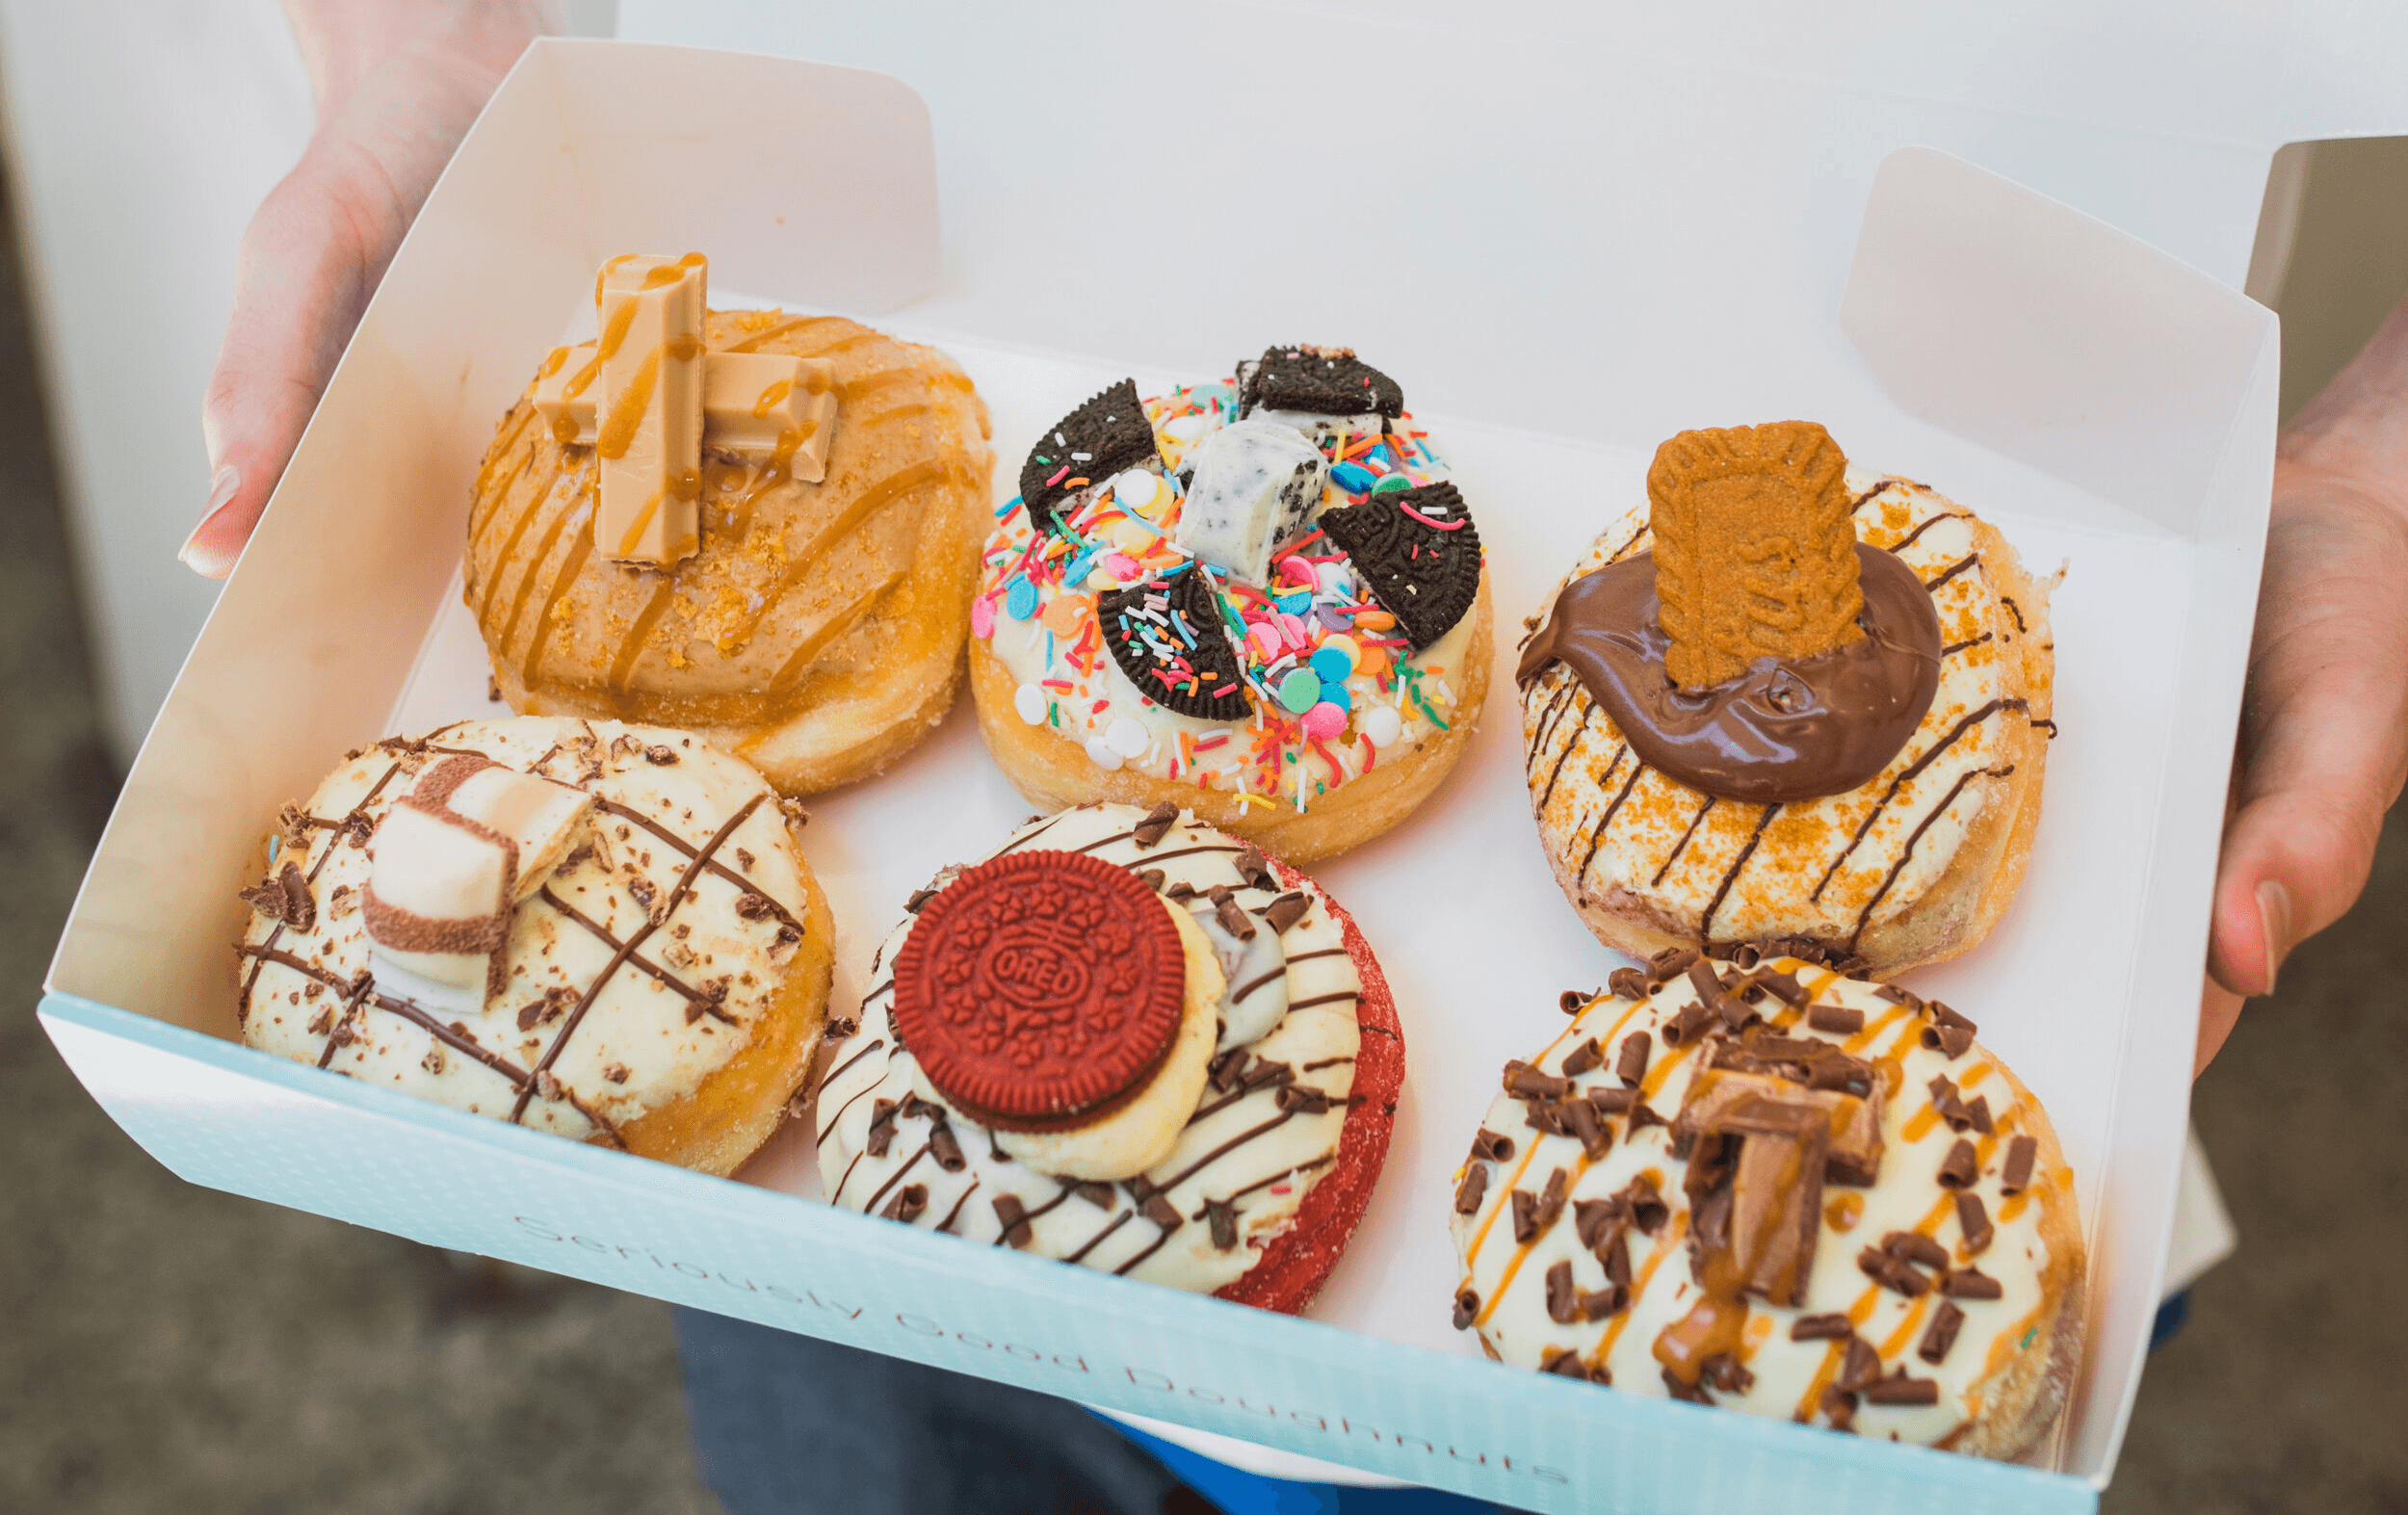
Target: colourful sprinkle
(1300,691)
(983,617)
(1020,600)
(1324,721)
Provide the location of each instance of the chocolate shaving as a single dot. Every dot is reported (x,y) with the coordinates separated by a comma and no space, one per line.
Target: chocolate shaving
(553,1003)
(2016,1175)
(881,1127)
(1839,1409)
(286,899)
(1951,1107)
(1544,1116)
(1916,1247)
(909,1200)
(1972,1219)
(1613,1101)
(1474,1188)
(1971,1283)
(1614,1257)
(1642,1117)
(1226,1068)
(1221,1216)
(1687,1026)
(1898,1389)
(1302,1099)
(1581,1120)
(1562,1300)
(1940,1334)
(1163,1212)
(1897,996)
(1286,912)
(945,1147)
(1837,1019)
(1647,1209)
(840,1028)
(1782,986)
(1013,1216)
(1631,1067)
(1489,1147)
(1152,879)
(1233,919)
(1525,1082)
(1958,1169)
(1157,823)
(755,906)
(1268,1071)
(616,1072)
(1977,1110)
(1670,963)
(1859,1365)
(1466,1308)
(1581,1058)
(1892,1272)
(1834,1326)
(1949,1033)
(1254,868)
(1570,1001)
(1629,983)
(661,757)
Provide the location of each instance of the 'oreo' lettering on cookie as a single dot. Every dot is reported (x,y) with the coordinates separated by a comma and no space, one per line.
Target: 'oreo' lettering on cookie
(1316,380)
(1103,437)
(1166,635)
(1418,554)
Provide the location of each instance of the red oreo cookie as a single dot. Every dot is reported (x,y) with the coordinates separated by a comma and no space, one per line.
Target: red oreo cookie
(1041,990)
(1294,1266)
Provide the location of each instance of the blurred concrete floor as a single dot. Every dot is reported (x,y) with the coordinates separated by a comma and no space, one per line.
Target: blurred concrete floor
(165,1348)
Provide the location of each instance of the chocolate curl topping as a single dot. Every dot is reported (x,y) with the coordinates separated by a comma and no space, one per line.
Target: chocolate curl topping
(908,1203)
(1959,1169)
(1949,1033)
(1474,1188)
(1835,1019)
(1286,912)
(1525,1082)
(1157,823)
(1631,1067)
(1859,1366)
(1581,1058)
(1466,1308)
(1580,1118)
(1013,1216)
(1972,1219)
(1831,1327)
(1489,1147)
(1254,868)
(1898,1389)
(2016,1176)
(1221,1217)
(1893,1273)
(1629,983)
(1971,1283)
(1940,1334)
(1916,1247)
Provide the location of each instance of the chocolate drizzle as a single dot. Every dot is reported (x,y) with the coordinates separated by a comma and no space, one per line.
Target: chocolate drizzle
(1782,731)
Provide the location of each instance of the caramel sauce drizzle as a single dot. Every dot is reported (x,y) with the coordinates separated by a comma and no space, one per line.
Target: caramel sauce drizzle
(518,529)
(580,512)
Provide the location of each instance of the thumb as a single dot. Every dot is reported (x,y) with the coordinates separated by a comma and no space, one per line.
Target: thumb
(2325,739)
(309,260)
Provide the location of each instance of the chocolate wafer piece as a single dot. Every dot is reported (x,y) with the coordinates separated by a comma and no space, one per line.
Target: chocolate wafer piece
(1755,549)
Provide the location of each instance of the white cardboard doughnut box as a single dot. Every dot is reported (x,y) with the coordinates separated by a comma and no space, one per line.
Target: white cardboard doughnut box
(1574,236)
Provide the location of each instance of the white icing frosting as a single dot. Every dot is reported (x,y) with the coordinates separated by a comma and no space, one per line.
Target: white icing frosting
(1653,837)
(1509,1278)
(1238,1146)
(640,1041)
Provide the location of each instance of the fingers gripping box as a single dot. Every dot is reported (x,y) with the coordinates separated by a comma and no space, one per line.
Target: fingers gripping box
(2111,406)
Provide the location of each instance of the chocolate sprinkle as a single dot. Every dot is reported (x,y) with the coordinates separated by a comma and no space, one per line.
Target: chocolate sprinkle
(1832,1327)
(1951,1032)
(1424,574)
(1958,1169)
(1316,380)
(1221,1216)
(1104,436)
(1978,1112)
(1015,1218)
(1580,1118)
(944,1147)
(1562,1300)
(1489,1147)
(2017,1173)
(1570,1001)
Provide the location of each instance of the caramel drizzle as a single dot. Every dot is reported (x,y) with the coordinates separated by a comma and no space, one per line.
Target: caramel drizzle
(886,491)
(752,343)
(577,512)
(684,883)
(490,488)
(579,550)
(518,529)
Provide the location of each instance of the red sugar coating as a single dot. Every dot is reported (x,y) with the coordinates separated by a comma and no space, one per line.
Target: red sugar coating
(1296,1264)
(1040,988)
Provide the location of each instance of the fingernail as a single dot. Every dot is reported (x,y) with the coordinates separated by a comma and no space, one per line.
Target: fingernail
(222,486)
(2274,920)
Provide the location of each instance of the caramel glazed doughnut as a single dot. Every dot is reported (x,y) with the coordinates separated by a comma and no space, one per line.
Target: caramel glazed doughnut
(1912,867)
(1266,1121)
(1260,600)
(654,975)
(1782,1191)
(817,631)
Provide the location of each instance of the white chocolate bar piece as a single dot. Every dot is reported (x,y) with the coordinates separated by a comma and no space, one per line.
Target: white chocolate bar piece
(649,433)
(1255,481)
(450,863)
(751,404)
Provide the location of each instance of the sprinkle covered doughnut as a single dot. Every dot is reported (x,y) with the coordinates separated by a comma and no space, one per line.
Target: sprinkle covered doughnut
(1871,807)
(1263,600)
(603,932)
(813,620)
(1782,1191)
(1228,1148)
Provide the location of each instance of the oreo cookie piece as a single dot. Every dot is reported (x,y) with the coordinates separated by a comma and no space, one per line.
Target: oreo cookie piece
(1316,380)
(1099,440)
(1418,553)
(1167,636)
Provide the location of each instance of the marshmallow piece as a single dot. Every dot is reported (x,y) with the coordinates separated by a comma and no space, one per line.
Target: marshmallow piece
(751,404)
(452,859)
(1255,481)
(650,433)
